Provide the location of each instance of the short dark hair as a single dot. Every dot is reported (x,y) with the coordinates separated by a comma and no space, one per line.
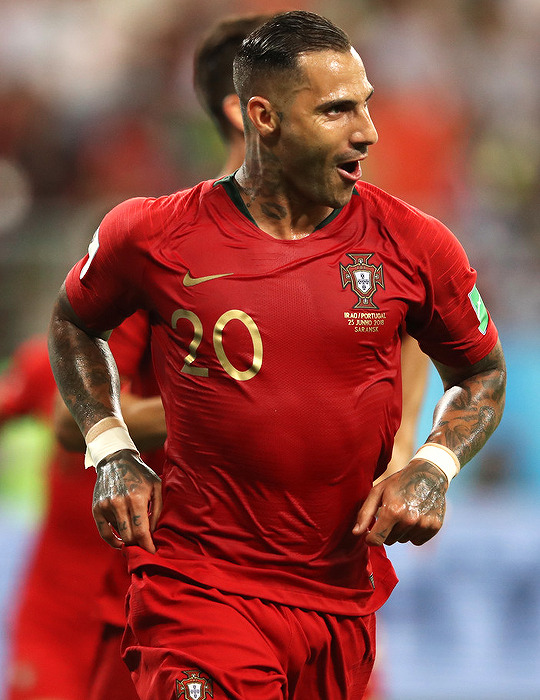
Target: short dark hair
(275,47)
(212,65)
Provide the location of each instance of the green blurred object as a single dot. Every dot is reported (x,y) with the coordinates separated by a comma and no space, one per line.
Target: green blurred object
(25,449)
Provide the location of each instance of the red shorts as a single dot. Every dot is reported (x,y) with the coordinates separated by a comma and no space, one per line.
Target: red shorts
(188,642)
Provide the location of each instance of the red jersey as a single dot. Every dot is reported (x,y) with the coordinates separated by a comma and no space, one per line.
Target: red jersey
(279,366)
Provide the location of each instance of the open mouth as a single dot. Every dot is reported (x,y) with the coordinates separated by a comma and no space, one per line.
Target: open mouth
(351,170)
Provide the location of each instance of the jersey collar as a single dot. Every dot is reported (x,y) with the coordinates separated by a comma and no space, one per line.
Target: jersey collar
(230,187)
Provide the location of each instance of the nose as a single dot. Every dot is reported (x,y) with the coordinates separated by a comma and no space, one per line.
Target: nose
(365,133)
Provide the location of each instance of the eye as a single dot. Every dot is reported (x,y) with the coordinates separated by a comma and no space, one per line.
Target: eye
(338,108)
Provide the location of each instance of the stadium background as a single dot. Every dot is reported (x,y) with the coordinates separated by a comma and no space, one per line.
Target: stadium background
(96,105)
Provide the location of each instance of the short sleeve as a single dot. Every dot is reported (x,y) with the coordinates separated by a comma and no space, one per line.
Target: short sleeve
(453,325)
(104,287)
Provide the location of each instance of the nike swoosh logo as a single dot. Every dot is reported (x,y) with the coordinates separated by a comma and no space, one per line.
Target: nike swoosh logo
(190,281)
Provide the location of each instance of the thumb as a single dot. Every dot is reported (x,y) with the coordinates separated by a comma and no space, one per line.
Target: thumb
(367,512)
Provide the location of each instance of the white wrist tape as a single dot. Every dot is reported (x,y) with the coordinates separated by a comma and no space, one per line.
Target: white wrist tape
(441,457)
(104,438)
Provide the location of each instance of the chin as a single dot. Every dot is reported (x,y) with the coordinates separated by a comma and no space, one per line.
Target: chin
(336,201)
(331,196)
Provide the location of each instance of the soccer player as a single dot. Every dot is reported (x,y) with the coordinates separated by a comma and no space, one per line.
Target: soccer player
(277,298)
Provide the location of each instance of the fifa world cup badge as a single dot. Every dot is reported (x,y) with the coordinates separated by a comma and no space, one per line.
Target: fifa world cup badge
(194,687)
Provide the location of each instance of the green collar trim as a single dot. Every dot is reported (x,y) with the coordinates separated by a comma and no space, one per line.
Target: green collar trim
(232,190)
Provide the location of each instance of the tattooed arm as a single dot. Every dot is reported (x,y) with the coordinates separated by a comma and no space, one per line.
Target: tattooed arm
(410,504)
(127,495)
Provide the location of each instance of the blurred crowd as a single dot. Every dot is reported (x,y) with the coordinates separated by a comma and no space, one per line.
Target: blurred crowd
(97,105)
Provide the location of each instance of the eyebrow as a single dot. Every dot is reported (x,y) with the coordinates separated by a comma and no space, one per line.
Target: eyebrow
(345,102)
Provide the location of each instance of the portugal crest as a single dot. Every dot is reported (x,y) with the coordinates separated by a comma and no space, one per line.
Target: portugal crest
(194,687)
(363,279)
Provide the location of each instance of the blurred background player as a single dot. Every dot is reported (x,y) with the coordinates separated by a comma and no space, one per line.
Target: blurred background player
(54,628)
(73,584)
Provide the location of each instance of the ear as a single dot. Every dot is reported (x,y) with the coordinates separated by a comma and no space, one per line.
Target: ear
(263,116)
(231,109)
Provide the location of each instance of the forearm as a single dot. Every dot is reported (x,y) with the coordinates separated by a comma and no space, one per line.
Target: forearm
(471,407)
(409,505)
(145,419)
(84,370)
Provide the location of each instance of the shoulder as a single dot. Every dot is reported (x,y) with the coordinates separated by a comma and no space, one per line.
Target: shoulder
(403,222)
(390,209)
(144,216)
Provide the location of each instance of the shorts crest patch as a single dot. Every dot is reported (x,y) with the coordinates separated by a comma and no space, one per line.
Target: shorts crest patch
(195,687)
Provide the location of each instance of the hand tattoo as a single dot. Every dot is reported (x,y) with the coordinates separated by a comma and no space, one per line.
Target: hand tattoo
(122,474)
(423,491)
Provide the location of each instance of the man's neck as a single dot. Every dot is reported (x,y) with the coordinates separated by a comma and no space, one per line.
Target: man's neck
(273,210)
